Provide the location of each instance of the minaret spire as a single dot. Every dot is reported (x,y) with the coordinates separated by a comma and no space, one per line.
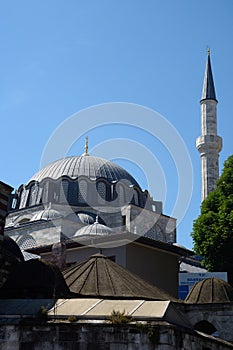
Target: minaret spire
(209,144)
(208,91)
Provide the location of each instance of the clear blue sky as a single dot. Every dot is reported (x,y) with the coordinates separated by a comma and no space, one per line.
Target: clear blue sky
(59,57)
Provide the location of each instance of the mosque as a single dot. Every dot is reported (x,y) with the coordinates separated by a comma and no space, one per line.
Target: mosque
(78,192)
(82,205)
(117,250)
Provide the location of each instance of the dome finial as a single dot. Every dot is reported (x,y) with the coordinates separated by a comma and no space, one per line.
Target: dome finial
(86,147)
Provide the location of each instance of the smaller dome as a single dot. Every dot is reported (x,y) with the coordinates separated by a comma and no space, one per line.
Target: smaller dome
(95,229)
(210,290)
(46,214)
(85,218)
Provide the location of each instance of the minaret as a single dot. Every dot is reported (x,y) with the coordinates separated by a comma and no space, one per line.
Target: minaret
(209,144)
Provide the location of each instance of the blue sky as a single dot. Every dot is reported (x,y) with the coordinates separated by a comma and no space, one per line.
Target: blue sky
(59,57)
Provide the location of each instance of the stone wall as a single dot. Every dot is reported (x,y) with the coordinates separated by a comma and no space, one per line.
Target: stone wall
(74,336)
(219,315)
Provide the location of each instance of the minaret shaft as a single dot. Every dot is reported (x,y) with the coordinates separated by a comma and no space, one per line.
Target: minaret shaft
(209,117)
(209,144)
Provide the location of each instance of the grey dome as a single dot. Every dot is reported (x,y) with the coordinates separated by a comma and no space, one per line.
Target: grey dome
(46,214)
(94,229)
(210,290)
(88,166)
(81,181)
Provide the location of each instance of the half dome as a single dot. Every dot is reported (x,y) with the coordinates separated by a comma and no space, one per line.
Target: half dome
(46,214)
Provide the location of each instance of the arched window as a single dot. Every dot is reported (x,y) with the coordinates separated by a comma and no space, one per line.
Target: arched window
(45,193)
(26,242)
(136,197)
(101,189)
(121,194)
(72,193)
(205,327)
(33,194)
(23,221)
(82,191)
(53,192)
(128,194)
(23,198)
(64,187)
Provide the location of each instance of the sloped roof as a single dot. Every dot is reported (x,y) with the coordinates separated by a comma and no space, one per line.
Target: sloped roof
(100,277)
(101,309)
(117,238)
(210,290)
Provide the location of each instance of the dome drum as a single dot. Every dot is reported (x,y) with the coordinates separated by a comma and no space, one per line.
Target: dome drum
(79,192)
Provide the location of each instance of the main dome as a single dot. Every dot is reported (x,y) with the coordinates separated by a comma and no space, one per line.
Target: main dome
(88,166)
(81,181)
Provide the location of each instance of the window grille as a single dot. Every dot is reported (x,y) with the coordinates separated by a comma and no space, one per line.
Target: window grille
(136,197)
(26,242)
(24,197)
(101,189)
(82,193)
(64,191)
(33,194)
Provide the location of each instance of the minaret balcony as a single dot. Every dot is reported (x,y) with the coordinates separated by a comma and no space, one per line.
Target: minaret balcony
(209,143)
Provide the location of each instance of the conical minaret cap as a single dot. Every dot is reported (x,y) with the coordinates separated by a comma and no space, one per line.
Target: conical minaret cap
(208,91)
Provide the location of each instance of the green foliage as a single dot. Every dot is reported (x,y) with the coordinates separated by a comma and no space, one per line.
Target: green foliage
(118,317)
(151,330)
(213,229)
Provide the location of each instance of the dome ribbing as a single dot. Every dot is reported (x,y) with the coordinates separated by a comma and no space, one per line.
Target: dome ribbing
(87,166)
(210,290)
